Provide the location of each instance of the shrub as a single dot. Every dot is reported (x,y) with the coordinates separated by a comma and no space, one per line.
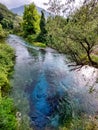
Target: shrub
(2,33)
(7,115)
(7,110)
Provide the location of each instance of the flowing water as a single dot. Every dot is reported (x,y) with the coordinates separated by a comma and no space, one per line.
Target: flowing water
(42,78)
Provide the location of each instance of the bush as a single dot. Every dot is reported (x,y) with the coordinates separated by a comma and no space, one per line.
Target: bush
(82,123)
(7,115)
(2,33)
(6,57)
(31,38)
(4,83)
(94,58)
(39,44)
(7,110)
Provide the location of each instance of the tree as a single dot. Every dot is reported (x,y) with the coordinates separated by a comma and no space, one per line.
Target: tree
(79,35)
(58,7)
(83,31)
(17,25)
(55,6)
(43,31)
(6,17)
(31,20)
(55,33)
(7,24)
(43,23)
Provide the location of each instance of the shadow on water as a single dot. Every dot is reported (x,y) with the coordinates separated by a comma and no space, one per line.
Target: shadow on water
(42,80)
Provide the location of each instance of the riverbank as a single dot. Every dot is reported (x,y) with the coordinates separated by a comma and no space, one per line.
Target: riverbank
(7,109)
(35,43)
(83,59)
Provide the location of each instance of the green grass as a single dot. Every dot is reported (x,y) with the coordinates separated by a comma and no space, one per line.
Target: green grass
(31,39)
(39,44)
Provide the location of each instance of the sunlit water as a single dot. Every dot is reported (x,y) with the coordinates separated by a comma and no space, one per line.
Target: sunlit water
(41,78)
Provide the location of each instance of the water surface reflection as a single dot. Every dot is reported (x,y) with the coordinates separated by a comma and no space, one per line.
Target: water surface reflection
(42,78)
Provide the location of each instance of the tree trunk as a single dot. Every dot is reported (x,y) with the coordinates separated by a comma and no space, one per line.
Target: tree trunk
(90,59)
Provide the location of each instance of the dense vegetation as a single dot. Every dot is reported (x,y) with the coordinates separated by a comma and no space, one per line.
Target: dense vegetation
(34,26)
(77,34)
(31,20)
(6,17)
(9,21)
(43,32)
(7,110)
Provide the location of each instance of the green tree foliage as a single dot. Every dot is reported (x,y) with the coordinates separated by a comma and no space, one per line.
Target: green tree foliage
(77,35)
(2,33)
(43,32)
(17,25)
(31,20)
(7,115)
(42,22)
(5,12)
(7,110)
(6,65)
(6,17)
(7,24)
(1,17)
(82,30)
(55,33)
(9,21)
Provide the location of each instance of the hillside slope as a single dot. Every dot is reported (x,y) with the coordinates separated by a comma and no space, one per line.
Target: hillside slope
(5,13)
(6,17)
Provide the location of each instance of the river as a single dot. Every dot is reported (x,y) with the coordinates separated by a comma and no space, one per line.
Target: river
(41,78)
